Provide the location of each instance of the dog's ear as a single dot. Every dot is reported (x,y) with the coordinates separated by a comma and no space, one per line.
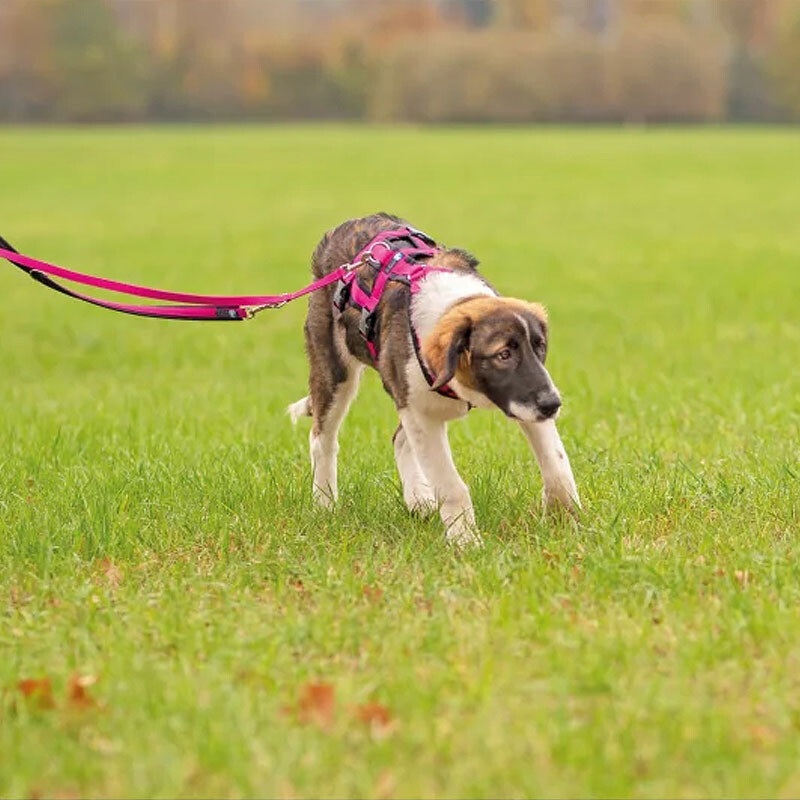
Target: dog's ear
(444,348)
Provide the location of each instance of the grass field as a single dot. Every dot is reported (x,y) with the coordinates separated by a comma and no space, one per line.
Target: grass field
(156,529)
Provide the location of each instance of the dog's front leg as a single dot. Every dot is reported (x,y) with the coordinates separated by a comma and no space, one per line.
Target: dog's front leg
(428,438)
(559,483)
(417,492)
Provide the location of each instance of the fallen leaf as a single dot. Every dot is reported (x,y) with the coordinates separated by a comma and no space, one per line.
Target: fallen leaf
(372,593)
(374,714)
(317,703)
(111,572)
(38,690)
(76,690)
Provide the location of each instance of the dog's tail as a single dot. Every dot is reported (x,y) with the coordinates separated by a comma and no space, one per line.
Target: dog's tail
(302,408)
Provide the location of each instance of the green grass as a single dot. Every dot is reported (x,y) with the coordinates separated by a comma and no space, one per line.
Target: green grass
(653,649)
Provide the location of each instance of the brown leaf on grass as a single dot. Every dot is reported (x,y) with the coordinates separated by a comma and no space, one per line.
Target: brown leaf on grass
(316,704)
(112,574)
(38,690)
(76,691)
(374,714)
(372,593)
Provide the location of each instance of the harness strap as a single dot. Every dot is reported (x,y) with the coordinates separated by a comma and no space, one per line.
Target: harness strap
(430,378)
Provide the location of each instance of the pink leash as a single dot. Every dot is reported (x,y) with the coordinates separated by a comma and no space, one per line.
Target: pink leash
(386,254)
(194,306)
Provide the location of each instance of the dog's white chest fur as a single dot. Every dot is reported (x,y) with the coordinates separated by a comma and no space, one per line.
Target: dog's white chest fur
(440,290)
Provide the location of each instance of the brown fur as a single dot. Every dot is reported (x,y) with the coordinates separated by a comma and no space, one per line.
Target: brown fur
(468,314)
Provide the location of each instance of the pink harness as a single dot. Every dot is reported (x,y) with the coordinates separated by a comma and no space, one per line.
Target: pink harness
(393,255)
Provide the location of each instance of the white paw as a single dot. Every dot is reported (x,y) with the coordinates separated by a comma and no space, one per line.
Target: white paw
(421,500)
(324,499)
(559,496)
(462,534)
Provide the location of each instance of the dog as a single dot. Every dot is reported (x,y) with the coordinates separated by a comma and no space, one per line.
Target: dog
(442,345)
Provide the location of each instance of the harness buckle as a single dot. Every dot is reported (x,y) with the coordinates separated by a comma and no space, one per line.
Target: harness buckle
(341,295)
(366,324)
(253,310)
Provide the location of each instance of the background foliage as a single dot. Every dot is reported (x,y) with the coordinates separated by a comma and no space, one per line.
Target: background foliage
(418,60)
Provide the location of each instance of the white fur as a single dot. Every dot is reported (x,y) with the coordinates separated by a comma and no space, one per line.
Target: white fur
(301,408)
(559,483)
(423,400)
(428,438)
(417,492)
(324,447)
(440,290)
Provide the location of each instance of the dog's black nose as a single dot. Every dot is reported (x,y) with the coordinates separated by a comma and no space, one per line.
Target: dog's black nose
(548,403)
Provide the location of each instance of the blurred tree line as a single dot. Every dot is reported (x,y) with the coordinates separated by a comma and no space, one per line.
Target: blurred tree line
(418,60)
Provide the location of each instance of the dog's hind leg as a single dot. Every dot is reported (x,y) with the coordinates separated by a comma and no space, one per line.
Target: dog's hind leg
(333,379)
(324,438)
(417,492)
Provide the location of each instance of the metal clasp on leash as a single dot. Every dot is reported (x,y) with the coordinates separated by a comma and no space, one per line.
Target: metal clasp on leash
(252,311)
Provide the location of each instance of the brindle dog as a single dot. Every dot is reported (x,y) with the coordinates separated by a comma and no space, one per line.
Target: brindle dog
(489,349)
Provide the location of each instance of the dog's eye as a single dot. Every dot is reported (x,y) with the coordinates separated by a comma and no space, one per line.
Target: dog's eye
(503,355)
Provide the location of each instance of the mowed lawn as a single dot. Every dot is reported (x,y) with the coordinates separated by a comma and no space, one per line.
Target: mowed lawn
(207,632)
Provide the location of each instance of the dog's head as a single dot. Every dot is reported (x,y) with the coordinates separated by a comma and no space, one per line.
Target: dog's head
(496,346)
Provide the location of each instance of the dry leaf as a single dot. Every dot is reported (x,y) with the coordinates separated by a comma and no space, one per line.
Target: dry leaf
(374,714)
(76,690)
(372,593)
(111,572)
(317,703)
(38,690)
